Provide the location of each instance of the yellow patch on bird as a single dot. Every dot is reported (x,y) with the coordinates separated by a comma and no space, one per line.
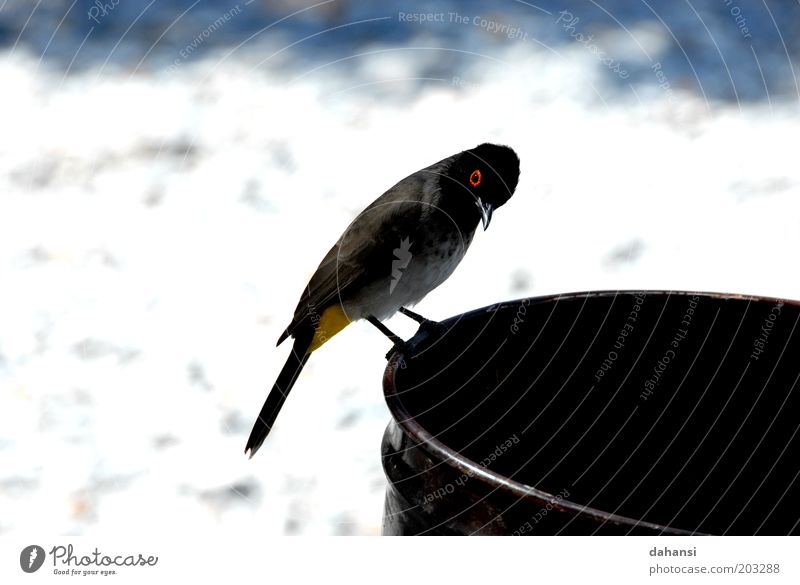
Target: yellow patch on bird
(332,321)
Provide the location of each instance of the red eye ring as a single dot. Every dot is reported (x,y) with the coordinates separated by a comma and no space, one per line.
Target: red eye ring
(475,178)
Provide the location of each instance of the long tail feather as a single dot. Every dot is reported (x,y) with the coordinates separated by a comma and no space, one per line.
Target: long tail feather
(277,396)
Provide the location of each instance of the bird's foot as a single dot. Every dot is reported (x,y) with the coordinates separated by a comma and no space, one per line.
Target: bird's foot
(400,347)
(433,327)
(427,328)
(425,325)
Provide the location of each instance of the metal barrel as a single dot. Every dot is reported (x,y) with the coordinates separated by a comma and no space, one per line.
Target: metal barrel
(636,412)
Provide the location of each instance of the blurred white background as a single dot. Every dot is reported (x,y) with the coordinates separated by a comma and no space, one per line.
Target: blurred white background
(172,173)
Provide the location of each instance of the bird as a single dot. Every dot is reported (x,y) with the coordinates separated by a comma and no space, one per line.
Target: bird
(398,249)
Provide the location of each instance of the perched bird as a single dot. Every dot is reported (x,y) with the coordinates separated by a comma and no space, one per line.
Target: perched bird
(400,248)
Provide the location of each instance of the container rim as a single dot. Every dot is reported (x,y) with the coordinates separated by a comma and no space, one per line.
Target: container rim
(446,455)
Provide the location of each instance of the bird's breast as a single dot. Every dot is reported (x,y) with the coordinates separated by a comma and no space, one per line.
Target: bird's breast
(418,265)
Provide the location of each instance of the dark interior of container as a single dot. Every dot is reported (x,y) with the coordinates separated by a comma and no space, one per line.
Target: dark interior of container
(692,424)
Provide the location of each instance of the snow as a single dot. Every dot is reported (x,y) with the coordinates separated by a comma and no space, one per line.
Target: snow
(156,229)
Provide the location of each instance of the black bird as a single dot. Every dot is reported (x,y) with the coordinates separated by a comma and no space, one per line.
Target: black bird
(400,248)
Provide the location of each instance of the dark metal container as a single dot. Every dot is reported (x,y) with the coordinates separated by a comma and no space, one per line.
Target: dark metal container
(598,413)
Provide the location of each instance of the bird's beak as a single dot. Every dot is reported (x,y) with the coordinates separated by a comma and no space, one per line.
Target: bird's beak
(486,212)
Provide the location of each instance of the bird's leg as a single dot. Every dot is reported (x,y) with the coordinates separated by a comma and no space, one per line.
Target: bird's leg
(424,324)
(416,316)
(398,343)
(385,330)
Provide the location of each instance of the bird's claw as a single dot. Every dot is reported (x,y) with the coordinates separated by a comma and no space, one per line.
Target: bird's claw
(426,327)
(402,347)
(432,327)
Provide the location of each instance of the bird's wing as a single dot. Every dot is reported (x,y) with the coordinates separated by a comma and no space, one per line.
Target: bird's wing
(364,252)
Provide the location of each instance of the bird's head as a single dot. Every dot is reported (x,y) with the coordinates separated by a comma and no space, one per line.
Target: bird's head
(489,173)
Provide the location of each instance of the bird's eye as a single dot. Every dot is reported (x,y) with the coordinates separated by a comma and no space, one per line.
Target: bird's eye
(475,178)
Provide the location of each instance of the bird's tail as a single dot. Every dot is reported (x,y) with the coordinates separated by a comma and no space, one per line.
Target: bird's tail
(277,396)
(308,337)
